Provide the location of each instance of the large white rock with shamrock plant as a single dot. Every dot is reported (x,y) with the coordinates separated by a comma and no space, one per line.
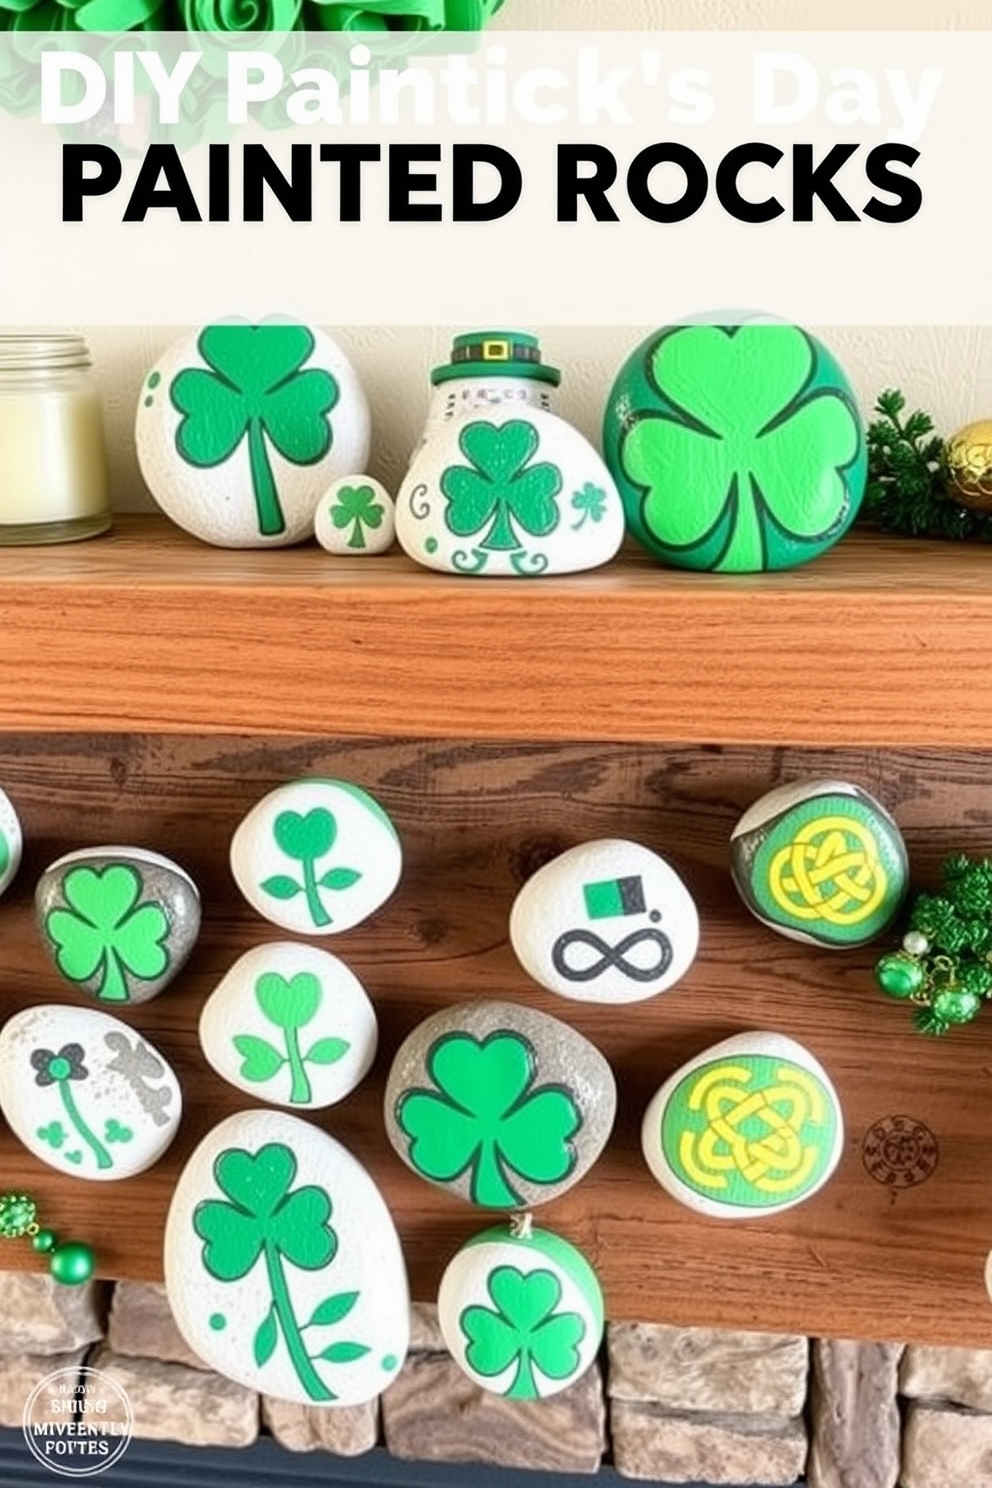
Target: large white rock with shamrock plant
(509,493)
(241,427)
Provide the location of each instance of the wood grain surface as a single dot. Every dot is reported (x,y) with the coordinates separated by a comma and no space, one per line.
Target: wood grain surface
(858,1260)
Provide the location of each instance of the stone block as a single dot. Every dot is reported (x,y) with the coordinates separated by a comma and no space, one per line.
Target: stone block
(172,1402)
(946,1447)
(425,1332)
(958,1374)
(38,1316)
(434,1413)
(703,1369)
(856,1429)
(22,1373)
(347,1430)
(656,1444)
(142,1326)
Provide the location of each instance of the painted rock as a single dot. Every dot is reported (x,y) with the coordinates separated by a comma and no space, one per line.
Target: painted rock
(499,1103)
(521,1314)
(820,861)
(748,1128)
(120,922)
(316,856)
(11,842)
(85,1093)
(290,1024)
(606,921)
(511,493)
(282,1264)
(356,517)
(737,448)
(240,427)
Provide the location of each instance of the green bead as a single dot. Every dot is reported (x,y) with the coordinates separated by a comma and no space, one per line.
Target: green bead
(956,1007)
(900,975)
(44,1240)
(17,1215)
(72,1262)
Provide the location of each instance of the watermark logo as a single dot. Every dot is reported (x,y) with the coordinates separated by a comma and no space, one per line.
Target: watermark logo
(78,1422)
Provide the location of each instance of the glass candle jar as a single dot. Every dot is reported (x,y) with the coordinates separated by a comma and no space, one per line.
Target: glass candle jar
(53,466)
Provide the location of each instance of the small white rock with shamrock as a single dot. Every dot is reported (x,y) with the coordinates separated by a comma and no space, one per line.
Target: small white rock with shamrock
(290,1024)
(356,518)
(316,856)
(85,1093)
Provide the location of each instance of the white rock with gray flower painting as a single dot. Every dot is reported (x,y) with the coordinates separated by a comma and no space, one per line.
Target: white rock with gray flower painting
(291,1025)
(282,1264)
(85,1093)
(509,494)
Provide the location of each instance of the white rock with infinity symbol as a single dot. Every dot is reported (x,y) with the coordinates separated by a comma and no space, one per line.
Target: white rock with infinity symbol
(606,921)
(748,1128)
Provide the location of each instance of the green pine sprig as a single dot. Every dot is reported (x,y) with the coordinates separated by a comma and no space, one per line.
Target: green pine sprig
(907,489)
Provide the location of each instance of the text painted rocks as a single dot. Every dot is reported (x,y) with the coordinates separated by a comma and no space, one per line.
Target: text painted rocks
(316,856)
(499,1103)
(820,861)
(748,1128)
(282,1265)
(356,517)
(240,428)
(606,921)
(119,922)
(521,1314)
(290,1024)
(11,841)
(85,1093)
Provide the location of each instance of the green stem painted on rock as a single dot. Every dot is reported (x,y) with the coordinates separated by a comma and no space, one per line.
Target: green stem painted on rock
(114,987)
(270,518)
(282,1302)
(300,1092)
(103,1157)
(318,913)
(524,1386)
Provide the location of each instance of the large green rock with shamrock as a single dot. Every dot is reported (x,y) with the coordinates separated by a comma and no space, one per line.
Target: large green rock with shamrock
(736,448)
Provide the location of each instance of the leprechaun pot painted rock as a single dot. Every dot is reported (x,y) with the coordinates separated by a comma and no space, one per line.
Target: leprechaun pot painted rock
(511,493)
(820,861)
(240,427)
(500,1104)
(747,1129)
(736,448)
(85,1093)
(282,1264)
(522,1314)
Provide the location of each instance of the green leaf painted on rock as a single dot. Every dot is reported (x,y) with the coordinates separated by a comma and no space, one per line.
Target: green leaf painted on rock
(333,1309)
(309,836)
(266,1339)
(327,1051)
(260,1061)
(281,886)
(344,1353)
(339,878)
(288,1003)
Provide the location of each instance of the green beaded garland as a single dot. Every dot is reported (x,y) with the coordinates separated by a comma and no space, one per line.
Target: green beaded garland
(900,975)
(956,1007)
(17,1215)
(72,1262)
(44,1241)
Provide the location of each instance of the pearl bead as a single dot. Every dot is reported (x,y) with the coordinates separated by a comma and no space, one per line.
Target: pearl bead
(72,1262)
(915,942)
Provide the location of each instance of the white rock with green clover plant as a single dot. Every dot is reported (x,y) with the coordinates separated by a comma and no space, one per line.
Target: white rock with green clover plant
(282,1264)
(85,1093)
(521,1311)
(356,518)
(11,842)
(291,1025)
(316,856)
(240,427)
(511,492)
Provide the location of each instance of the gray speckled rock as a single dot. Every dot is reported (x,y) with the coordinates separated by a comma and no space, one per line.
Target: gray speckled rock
(119,922)
(499,1103)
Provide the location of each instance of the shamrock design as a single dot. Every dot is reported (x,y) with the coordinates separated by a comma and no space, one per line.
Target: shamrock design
(485,1119)
(289,1005)
(67,1064)
(753,453)
(523,1327)
(105,933)
(61,1069)
(590,502)
(307,839)
(356,506)
(499,491)
(256,390)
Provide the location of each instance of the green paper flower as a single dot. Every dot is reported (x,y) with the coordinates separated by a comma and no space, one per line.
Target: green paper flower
(500,490)
(106,932)
(523,1327)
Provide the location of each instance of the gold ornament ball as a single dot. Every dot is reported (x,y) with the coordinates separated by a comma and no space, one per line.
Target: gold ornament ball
(969,466)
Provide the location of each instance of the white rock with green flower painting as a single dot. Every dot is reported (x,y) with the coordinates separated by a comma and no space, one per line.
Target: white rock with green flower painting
(282,1264)
(356,518)
(85,1093)
(290,1024)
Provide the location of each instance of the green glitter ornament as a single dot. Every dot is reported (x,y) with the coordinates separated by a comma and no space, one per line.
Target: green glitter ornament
(70,1262)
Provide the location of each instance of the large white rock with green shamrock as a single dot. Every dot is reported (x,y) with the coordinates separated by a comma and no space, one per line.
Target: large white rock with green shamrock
(282,1264)
(521,1312)
(241,427)
(509,493)
(735,447)
(85,1093)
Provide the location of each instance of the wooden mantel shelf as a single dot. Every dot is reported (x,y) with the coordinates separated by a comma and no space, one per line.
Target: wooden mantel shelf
(880,642)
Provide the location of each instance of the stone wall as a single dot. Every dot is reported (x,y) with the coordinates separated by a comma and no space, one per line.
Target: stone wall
(666,1404)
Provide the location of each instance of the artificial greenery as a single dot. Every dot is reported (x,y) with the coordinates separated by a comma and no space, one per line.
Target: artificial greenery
(907,488)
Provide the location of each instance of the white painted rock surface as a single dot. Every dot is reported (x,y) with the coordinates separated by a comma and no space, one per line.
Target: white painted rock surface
(290,1024)
(523,1316)
(316,856)
(747,1129)
(500,1104)
(282,1264)
(11,842)
(512,493)
(356,518)
(606,921)
(85,1093)
(240,427)
(119,922)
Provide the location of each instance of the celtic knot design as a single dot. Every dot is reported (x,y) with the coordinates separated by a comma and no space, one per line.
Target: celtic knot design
(830,871)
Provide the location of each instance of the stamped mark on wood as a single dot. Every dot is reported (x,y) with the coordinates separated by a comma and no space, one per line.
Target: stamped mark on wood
(900,1152)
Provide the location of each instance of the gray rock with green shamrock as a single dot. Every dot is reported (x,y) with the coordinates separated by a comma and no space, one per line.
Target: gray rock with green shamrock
(499,1103)
(85,1093)
(119,922)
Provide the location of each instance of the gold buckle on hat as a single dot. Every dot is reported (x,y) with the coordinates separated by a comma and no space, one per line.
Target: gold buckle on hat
(495,351)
